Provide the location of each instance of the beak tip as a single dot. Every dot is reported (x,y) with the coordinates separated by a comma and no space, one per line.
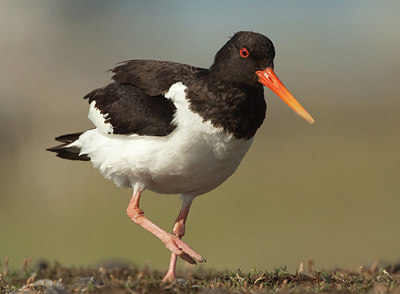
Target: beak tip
(308,118)
(305,115)
(268,78)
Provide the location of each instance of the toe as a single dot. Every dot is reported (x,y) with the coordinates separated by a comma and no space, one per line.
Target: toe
(187,258)
(173,248)
(189,251)
(181,249)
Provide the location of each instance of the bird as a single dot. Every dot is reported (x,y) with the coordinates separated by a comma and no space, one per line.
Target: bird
(173,128)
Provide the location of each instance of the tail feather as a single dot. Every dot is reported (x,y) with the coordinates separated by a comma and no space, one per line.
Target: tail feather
(68,152)
(68,138)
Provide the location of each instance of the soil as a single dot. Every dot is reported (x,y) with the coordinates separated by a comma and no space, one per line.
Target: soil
(54,278)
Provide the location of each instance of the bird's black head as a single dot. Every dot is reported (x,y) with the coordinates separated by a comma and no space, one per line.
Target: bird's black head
(244,54)
(248,59)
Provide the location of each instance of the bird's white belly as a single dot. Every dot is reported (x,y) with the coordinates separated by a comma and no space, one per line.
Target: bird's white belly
(194,159)
(199,165)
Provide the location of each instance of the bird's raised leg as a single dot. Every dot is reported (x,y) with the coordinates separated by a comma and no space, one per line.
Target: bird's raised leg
(179,231)
(172,242)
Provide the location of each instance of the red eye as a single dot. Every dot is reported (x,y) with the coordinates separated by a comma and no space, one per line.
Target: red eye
(244,52)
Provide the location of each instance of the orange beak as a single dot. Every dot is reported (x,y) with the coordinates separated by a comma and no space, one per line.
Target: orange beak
(268,78)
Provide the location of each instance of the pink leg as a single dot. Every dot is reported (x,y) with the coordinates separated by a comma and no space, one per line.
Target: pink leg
(172,242)
(179,231)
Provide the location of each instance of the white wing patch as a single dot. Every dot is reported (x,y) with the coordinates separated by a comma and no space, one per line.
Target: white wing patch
(99,120)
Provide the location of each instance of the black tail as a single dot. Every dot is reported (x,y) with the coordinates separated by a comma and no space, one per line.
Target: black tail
(68,152)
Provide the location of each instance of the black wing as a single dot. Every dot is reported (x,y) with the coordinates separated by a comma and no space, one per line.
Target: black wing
(131,111)
(134,103)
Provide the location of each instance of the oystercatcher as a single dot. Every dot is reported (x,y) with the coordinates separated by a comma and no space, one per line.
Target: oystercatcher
(178,129)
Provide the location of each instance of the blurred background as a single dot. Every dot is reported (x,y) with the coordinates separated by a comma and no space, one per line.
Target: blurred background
(328,191)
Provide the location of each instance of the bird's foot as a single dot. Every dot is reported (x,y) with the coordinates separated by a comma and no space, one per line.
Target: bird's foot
(172,278)
(169,277)
(180,248)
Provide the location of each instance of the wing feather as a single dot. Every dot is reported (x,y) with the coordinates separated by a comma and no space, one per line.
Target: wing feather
(135,102)
(126,109)
(153,76)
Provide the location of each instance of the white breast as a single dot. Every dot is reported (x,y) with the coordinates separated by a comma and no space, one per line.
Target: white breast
(194,159)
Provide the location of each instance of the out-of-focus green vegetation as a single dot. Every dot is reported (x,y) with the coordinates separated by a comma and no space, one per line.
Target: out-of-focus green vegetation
(329,191)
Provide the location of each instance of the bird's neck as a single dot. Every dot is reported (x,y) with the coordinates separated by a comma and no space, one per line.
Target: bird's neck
(239,109)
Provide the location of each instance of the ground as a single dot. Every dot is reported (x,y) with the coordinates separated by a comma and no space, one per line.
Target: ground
(43,277)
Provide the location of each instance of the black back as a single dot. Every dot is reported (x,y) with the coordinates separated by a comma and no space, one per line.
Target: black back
(152,76)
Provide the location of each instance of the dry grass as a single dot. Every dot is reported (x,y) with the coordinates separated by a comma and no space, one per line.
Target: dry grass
(45,278)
